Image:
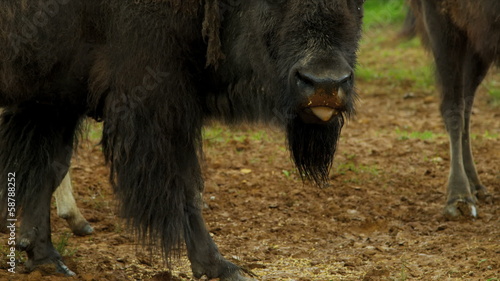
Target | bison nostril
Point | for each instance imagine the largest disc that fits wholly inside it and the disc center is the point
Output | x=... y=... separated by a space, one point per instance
x=304 y=80
x=346 y=78
x=325 y=81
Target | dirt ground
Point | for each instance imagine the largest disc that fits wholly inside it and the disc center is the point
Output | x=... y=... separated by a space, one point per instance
x=380 y=218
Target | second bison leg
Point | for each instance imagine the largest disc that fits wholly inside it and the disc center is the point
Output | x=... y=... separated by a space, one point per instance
x=449 y=47
x=475 y=69
x=68 y=210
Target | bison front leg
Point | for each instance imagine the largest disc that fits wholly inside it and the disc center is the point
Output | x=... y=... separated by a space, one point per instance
x=35 y=236
x=67 y=209
x=36 y=145
x=202 y=252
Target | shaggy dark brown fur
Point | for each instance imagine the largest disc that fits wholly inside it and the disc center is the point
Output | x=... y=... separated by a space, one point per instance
x=154 y=71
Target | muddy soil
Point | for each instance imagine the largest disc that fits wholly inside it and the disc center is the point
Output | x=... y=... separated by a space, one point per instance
x=379 y=219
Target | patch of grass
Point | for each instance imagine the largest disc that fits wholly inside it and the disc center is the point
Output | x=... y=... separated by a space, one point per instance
x=426 y=135
x=99 y=202
x=5 y=250
x=419 y=76
x=214 y=134
x=383 y=12
x=290 y=173
x=387 y=61
x=481 y=261
x=92 y=130
x=486 y=135
x=400 y=64
x=350 y=156
x=259 y=136
x=411 y=44
x=493 y=88
x=350 y=166
x=492 y=136
x=118 y=227
x=61 y=245
x=403 y=274
x=3 y=253
x=221 y=134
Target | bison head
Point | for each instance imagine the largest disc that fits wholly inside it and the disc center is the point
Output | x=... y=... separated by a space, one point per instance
x=290 y=61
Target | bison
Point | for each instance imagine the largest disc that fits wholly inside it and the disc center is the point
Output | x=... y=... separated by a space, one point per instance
x=464 y=37
x=154 y=72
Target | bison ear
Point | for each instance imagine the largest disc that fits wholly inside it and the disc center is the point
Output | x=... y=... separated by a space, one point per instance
x=211 y=32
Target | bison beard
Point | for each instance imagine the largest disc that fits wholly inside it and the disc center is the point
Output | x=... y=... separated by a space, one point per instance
x=154 y=72
x=313 y=147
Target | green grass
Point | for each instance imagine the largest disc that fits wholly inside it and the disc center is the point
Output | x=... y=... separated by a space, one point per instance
x=380 y=13
x=403 y=135
x=61 y=245
x=220 y=134
x=384 y=58
x=426 y=135
x=286 y=173
x=5 y=250
x=493 y=88
x=486 y=135
x=350 y=166
x=214 y=134
x=92 y=130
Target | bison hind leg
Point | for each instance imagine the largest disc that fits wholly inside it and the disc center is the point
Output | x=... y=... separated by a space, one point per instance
x=67 y=209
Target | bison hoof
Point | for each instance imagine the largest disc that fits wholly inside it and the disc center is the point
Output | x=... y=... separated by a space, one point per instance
x=483 y=195
x=225 y=271
x=237 y=276
x=49 y=266
x=460 y=208
x=82 y=230
x=62 y=268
